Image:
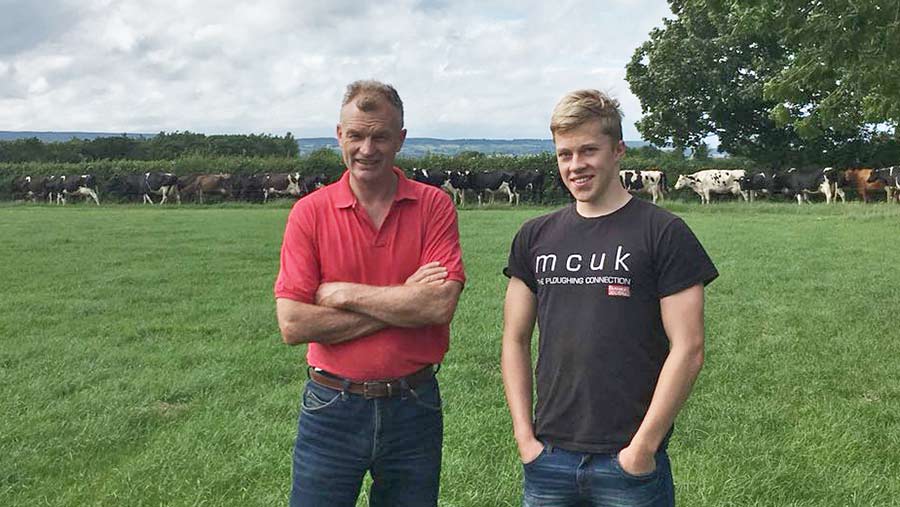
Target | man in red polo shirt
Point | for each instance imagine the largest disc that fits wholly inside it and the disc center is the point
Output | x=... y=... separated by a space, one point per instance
x=371 y=271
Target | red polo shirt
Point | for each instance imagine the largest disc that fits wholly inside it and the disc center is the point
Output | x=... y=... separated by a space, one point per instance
x=330 y=238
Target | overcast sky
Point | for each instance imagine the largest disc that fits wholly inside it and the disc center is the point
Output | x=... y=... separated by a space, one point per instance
x=465 y=69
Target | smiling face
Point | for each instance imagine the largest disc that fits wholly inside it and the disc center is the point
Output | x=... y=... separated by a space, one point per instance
x=370 y=135
x=588 y=163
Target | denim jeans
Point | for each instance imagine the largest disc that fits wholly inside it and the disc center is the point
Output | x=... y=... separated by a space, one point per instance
x=341 y=436
x=558 y=478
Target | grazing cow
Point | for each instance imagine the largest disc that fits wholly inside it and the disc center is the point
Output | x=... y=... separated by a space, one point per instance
x=800 y=184
x=858 y=178
x=652 y=182
x=890 y=178
x=490 y=182
x=29 y=187
x=200 y=184
x=713 y=181
x=280 y=184
x=84 y=185
x=529 y=182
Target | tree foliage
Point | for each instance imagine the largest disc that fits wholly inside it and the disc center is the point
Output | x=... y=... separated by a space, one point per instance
x=781 y=82
x=163 y=146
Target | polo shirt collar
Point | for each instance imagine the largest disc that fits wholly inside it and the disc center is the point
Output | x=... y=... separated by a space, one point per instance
x=344 y=197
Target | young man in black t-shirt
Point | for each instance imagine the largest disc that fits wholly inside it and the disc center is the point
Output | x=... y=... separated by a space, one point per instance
x=616 y=287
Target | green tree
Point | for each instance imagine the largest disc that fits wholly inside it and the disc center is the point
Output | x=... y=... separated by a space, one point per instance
x=781 y=82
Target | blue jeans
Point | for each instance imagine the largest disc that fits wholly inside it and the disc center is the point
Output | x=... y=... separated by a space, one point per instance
x=558 y=478
x=341 y=436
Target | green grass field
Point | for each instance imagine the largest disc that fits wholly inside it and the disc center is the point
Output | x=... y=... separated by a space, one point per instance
x=141 y=363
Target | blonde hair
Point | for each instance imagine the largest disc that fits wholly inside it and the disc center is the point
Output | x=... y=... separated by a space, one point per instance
x=581 y=106
x=371 y=91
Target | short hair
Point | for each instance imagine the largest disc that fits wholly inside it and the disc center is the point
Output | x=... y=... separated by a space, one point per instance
x=371 y=90
x=581 y=106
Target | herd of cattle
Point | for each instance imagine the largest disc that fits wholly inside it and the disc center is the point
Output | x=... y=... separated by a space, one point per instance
x=144 y=187
x=515 y=185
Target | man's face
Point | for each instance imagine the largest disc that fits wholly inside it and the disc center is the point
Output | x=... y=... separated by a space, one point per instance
x=588 y=161
x=370 y=140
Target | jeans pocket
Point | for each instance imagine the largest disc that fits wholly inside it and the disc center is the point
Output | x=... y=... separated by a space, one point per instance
x=427 y=395
x=639 y=477
x=316 y=397
x=537 y=458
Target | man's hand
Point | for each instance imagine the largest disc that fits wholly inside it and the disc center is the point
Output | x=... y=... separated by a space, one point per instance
x=331 y=294
x=530 y=449
x=637 y=461
x=429 y=274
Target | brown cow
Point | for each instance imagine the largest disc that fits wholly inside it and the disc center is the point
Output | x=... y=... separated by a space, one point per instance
x=858 y=179
x=206 y=184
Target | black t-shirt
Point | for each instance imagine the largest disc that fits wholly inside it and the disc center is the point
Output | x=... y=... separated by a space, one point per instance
x=602 y=343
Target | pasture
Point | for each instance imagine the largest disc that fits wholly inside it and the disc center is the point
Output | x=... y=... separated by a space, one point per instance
x=141 y=363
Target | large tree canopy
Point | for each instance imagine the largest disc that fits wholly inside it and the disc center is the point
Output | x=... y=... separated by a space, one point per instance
x=780 y=81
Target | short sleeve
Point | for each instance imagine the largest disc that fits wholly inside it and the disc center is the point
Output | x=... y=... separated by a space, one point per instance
x=681 y=260
x=299 y=274
x=442 y=238
x=519 y=265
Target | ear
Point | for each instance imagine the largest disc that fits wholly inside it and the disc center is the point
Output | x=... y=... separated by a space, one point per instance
x=401 y=140
x=620 y=150
x=338 y=133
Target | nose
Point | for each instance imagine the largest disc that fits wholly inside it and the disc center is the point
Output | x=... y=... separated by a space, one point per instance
x=367 y=147
x=577 y=162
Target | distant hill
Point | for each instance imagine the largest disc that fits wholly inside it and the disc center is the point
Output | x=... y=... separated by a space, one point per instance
x=413 y=147
x=420 y=146
x=61 y=137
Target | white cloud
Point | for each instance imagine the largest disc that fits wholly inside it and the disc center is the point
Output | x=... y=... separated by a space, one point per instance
x=464 y=69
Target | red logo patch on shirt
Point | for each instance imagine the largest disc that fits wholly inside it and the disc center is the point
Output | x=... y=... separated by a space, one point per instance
x=618 y=290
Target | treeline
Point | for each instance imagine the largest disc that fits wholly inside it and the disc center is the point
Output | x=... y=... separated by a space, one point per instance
x=163 y=146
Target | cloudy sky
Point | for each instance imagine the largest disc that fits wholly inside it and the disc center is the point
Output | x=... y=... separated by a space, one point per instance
x=465 y=69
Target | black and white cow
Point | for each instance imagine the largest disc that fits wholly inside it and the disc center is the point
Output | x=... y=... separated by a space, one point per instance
x=631 y=181
x=280 y=184
x=83 y=185
x=713 y=181
x=162 y=184
x=309 y=184
x=29 y=187
x=652 y=182
x=457 y=183
x=890 y=177
x=144 y=184
x=797 y=184
x=490 y=182
x=755 y=183
x=433 y=178
x=530 y=183
x=54 y=187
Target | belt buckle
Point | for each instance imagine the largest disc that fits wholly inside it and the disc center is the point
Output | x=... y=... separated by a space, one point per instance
x=372 y=384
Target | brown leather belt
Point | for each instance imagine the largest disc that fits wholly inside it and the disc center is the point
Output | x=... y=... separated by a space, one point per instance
x=373 y=388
